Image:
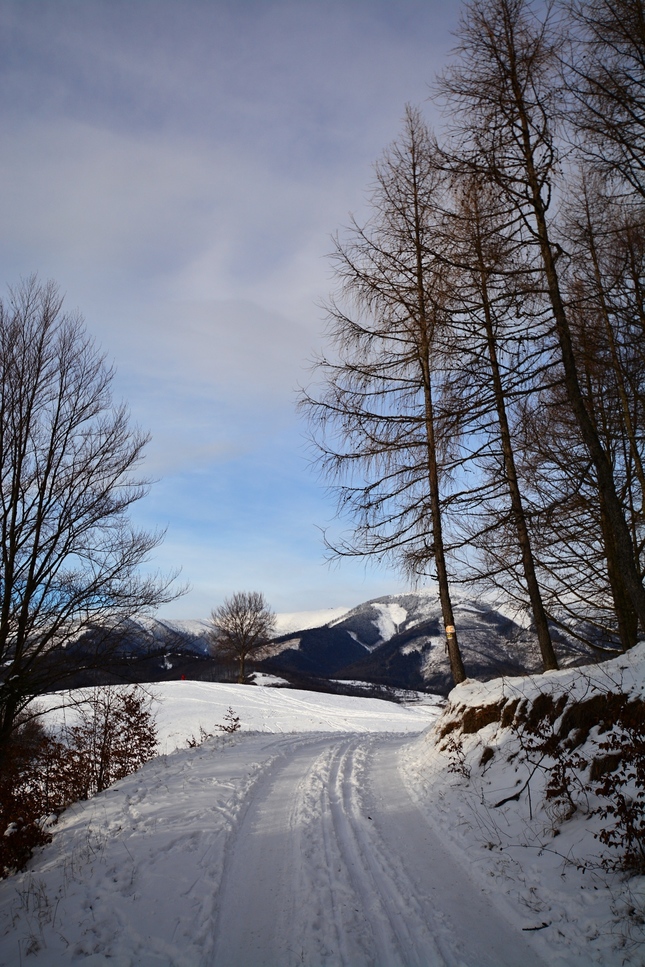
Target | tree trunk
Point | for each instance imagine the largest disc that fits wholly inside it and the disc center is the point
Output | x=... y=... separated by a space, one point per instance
x=426 y=328
x=549 y=659
x=617 y=528
x=452 y=643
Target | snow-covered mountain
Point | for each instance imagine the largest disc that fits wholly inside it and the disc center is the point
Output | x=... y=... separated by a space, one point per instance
x=398 y=640
x=394 y=641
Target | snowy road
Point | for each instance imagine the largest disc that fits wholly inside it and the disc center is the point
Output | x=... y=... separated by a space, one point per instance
x=331 y=863
x=329 y=832
x=258 y=850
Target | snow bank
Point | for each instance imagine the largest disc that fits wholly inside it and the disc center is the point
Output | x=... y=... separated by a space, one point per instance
x=478 y=781
x=625 y=673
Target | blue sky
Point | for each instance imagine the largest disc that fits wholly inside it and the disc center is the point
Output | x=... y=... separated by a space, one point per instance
x=178 y=167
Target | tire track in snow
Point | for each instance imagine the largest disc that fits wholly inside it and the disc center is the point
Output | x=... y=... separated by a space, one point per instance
x=214 y=868
x=467 y=929
x=280 y=901
x=332 y=865
x=335 y=930
x=399 y=924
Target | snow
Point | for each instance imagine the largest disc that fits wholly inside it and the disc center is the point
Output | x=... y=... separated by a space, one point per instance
x=391 y=616
x=625 y=673
x=263 y=678
x=329 y=831
x=288 y=621
x=546 y=868
x=182 y=708
x=198 y=627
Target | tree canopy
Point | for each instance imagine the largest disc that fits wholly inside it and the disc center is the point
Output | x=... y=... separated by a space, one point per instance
x=70 y=558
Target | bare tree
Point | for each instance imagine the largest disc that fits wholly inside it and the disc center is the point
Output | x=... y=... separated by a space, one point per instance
x=502 y=369
x=69 y=556
x=576 y=551
x=242 y=627
x=505 y=91
x=606 y=76
x=384 y=424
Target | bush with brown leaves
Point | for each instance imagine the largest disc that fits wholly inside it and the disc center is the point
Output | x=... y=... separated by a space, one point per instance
x=113 y=735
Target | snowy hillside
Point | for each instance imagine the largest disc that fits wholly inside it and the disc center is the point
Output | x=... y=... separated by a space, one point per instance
x=289 y=622
x=361 y=844
x=183 y=708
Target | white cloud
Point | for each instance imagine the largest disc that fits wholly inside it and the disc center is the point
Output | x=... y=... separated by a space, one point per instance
x=106 y=201
x=239 y=349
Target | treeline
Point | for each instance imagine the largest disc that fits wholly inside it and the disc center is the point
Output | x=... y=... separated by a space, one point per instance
x=481 y=407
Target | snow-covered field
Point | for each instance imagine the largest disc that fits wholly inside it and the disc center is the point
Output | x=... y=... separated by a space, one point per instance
x=329 y=831
x=183 y=708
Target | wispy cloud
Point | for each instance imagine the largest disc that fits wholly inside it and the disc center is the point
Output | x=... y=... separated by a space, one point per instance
x=179 y=167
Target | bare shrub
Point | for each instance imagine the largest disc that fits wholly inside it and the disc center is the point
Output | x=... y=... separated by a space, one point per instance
x=116 y=735
x=194 y=743
x=27 y=795
x=231 y=723
x=42 y=774
x=621 y=783
x=615 y=778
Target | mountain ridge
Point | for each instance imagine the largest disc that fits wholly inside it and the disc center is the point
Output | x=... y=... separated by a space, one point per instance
x=391 y=642
x=403 y=643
